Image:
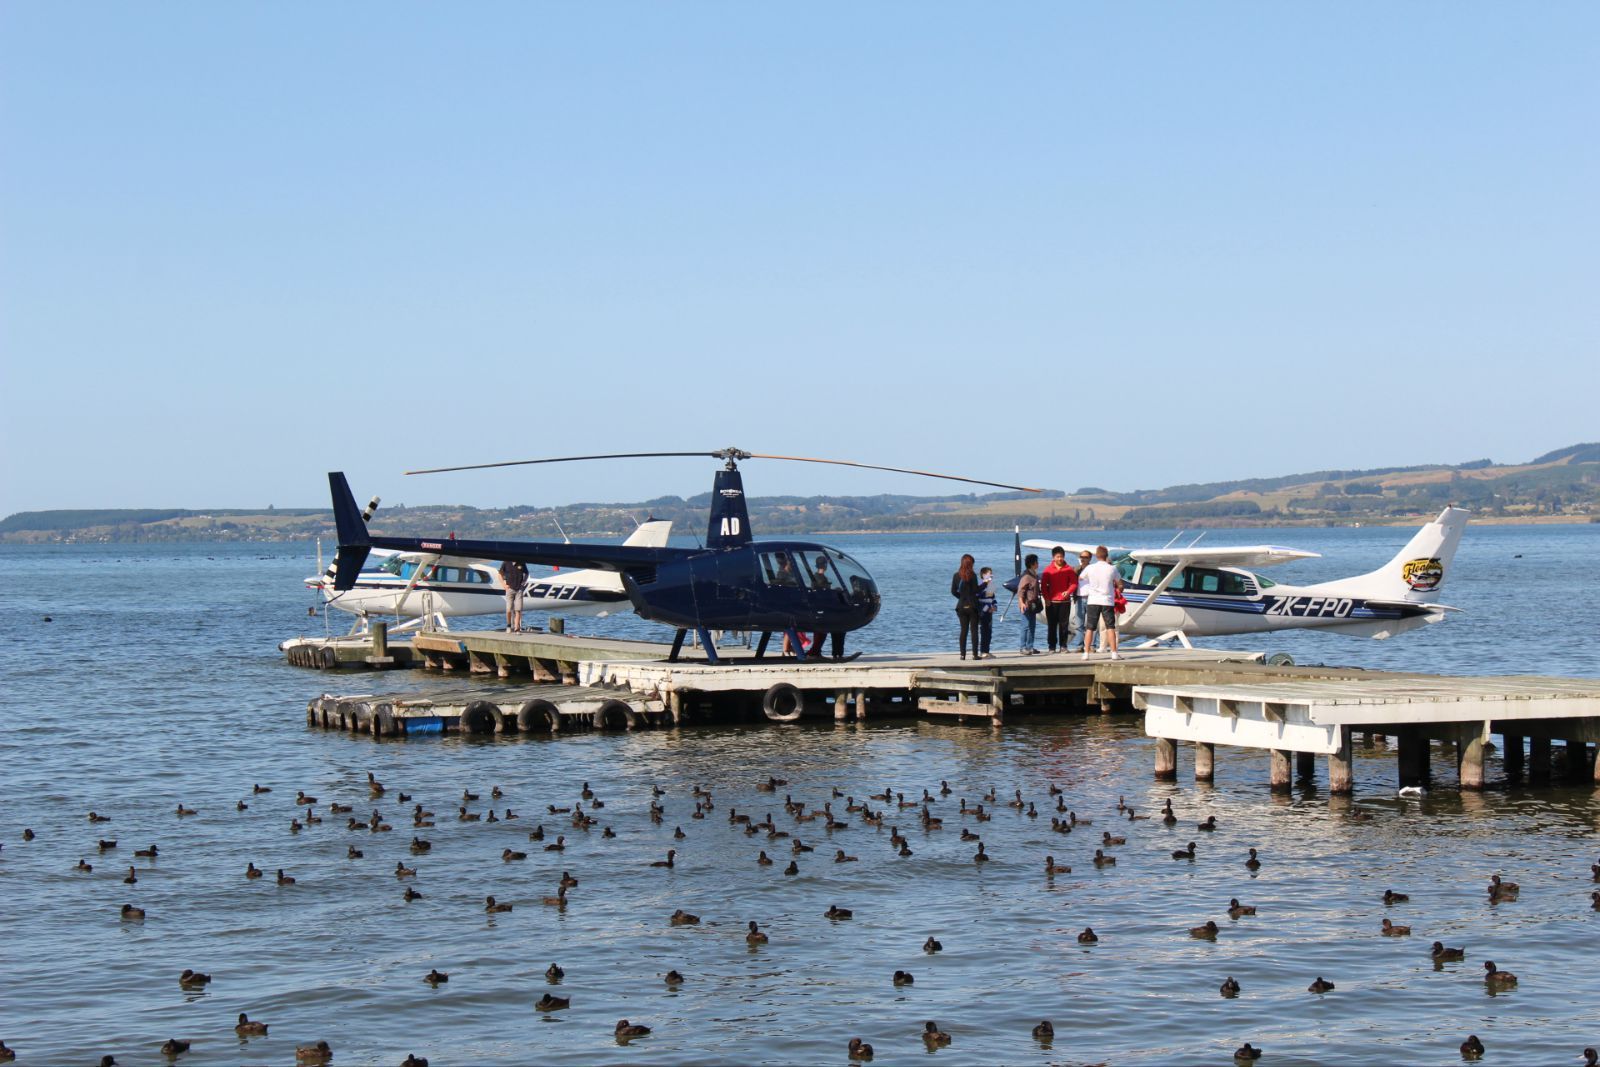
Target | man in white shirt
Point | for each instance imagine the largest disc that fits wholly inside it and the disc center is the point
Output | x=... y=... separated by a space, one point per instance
x=1101 y=583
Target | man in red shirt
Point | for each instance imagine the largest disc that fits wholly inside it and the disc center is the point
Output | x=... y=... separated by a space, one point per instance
x=1057 y=584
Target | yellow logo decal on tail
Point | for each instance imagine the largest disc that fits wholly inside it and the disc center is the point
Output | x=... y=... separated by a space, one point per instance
x=1423 y=575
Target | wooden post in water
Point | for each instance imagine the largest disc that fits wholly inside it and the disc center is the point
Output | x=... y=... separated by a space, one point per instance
x=380 y=639
x=1278 y=777
x=1513 y=755
x=841 y=705
x=1205 y=761
x=1305 y=765
x=1469 y=756
x=1578 y=760
x=1166 y=759
x=1411 y=751
x=1341 y=777
x=1539 y=760
x=558 y=625
x=861 y=705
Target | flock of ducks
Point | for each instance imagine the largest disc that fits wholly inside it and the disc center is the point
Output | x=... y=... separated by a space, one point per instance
x=885 y=808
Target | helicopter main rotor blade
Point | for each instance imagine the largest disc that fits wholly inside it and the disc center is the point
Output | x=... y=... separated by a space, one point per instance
x=898 y=470
x=563 y=459
x=731 y=455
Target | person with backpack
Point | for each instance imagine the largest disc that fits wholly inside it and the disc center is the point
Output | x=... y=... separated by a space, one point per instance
x=964 y=586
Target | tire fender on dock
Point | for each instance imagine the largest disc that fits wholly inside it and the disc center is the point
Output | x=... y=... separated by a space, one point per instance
x=609 y=714
x=481 y=717
x=384 y=723
x=535 y=715
x=346 y=716
x=783 y=703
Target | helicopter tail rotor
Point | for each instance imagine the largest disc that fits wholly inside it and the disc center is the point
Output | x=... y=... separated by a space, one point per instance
x=354 y=542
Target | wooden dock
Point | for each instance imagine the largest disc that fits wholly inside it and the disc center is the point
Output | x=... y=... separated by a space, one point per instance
x=554 y=683
x=1308 y=717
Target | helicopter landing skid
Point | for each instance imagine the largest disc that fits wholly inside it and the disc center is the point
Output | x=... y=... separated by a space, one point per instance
x=705 y=642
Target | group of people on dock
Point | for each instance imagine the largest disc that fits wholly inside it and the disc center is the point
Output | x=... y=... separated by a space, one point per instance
x=1082 y=599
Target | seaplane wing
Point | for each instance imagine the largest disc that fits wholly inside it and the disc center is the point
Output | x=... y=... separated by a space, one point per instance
x=1040 y=544
x=1223 y=555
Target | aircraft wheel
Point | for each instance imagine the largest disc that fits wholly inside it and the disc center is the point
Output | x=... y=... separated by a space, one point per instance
x=783 y=703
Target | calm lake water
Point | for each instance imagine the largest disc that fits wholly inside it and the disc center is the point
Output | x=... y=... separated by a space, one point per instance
x=158 y=682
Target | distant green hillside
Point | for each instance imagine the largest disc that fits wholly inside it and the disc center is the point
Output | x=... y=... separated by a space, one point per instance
x=1563 y=485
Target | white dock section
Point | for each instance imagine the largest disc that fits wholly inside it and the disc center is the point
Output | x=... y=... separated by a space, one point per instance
x=1316 y=716
x=1304 y=716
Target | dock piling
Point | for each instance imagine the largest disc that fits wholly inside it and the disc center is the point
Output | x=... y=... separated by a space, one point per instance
x=1205 y=761
x=1513 y=755
x=1539 y=760
x=1166 y=759
x=1279 y=776
x=1469 y=756
x=1305 y=766
x=1341 y=777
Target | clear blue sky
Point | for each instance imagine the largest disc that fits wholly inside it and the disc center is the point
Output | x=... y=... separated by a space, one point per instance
x=1062 y=244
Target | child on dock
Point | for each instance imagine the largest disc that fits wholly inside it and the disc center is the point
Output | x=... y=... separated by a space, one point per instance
x=988 y=600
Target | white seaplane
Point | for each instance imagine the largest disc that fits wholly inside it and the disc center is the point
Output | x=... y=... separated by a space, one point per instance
x=428 y=588
x=1175 y=594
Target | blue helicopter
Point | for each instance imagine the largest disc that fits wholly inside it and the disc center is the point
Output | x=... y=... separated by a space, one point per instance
x=733 y=583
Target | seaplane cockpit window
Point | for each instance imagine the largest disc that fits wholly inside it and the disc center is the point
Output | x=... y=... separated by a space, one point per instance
x=391 y=565
x=1235 y=585
x=1265 y=582
x=1224 y=583
x=1125 y=567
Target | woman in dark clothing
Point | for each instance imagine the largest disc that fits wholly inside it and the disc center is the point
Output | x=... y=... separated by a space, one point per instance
x=964 y=587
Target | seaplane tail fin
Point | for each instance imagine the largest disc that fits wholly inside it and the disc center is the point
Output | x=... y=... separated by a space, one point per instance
x=1417 y=573
x=354 y=542
x=652 y=533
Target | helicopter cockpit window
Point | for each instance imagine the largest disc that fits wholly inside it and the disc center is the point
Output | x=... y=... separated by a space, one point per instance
x=822 y=574
x=854 y=575
x=778 y=569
